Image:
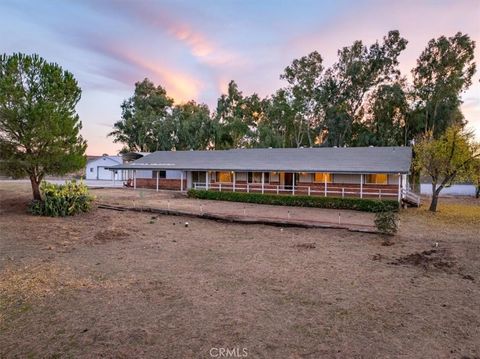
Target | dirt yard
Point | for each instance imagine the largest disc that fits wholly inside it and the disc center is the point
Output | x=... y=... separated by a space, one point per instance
x=126 y=284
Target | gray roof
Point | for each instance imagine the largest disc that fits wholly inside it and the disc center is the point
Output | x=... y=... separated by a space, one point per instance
x=323 y=159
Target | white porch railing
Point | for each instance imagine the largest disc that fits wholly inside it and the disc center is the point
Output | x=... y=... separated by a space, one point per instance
x=411 y=197
x=336 y=191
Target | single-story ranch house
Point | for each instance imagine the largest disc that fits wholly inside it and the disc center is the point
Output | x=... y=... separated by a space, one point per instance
x=363 y=172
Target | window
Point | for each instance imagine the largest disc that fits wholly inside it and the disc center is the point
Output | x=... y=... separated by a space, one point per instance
x=161 y=174
x=256 y=177
x=322 y=177
x=91 y=169
x=377 y=178
x=199 y=177
x=224 y=177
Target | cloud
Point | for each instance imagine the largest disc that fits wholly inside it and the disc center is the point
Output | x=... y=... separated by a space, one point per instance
x=134 y=67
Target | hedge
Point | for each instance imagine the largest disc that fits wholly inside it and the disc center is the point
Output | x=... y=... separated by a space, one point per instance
x=357 y=204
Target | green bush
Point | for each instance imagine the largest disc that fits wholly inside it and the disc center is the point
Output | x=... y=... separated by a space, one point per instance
x=386 y=221
x=366 y=205
x=62 y=200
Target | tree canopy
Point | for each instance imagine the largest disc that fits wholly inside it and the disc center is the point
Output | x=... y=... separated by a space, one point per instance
x=444 y=70
x=39 y=127
x=362 y=99
x=453 y=155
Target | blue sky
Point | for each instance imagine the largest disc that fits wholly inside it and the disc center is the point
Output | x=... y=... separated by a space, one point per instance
x=194 y=48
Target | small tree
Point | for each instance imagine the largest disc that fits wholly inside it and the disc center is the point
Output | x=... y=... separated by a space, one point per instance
x=475 y=177
x=39 y=128
x=446 y=159
x=386 y=222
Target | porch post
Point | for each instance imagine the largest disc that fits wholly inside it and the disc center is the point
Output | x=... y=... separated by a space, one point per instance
x=293 y=184
x=234 y=179
x=206 y=180
x=181 y=181
x=263 y=182
x=361 y=186
x=157 y=179
x=325 y=186
x=399 y=188
x=134 y=179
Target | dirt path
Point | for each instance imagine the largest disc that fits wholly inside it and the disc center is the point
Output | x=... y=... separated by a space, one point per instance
x=168 y=200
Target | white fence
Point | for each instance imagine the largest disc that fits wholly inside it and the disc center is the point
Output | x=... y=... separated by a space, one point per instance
x=296 y=190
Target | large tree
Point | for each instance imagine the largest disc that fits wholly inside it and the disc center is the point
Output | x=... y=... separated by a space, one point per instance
x=192 y=126
x=145 y=125
x=451 y=157
x=444 y=70
x=304 y=78
x=358 y=71
x=385 y=122
x=236 y=119
x=39 y=127
x=277 y=127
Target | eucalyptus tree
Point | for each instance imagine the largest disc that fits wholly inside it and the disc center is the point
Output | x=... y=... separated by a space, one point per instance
x=277 y=128
x=145 y=124
x=236 y=119
x=192 y=125
x=358 y=71
x=386 y=118
x=39 y=126
x=304 y=78
x=444 y=70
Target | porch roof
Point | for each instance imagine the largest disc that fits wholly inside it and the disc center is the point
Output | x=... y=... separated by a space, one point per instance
x=322 y=159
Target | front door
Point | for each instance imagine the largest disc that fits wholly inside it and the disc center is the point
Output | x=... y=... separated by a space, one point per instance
x=288 y=180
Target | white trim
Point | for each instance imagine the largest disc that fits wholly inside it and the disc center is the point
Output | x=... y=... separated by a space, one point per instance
x=361 y=186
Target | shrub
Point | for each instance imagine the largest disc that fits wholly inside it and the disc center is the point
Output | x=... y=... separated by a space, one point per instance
x=386 y=222
x=366 y=205
x=62 y=200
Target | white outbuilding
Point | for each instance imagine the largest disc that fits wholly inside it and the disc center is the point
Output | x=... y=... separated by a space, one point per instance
x=96 y=168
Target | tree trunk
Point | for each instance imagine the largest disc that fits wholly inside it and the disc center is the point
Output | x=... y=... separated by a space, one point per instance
x=433 y=204
x=477 y=193
x=35 y=188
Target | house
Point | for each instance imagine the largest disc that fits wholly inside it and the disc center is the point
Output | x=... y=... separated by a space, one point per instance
x=363 y=172
x=96 y=167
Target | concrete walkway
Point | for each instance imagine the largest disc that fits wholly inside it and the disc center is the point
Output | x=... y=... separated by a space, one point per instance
x=178 y=203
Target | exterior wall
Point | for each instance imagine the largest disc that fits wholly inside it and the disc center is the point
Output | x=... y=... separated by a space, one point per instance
x=96 y=169
x=455 y=190
x=274 y=177
x=393 y=179
x=144 y=174
x=189 y=180
x=241 y=176
x=346 y=178
x=305 y=178
x=163 y=183
x=173 y=174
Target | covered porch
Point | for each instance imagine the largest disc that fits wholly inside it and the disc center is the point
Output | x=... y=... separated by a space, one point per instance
x=343 y=185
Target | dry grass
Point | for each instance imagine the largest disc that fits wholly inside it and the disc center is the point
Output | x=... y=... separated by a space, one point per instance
x=455 y=213
x=122 y=284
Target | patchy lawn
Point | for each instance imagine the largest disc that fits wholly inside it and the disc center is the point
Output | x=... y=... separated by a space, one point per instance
x=125 y=284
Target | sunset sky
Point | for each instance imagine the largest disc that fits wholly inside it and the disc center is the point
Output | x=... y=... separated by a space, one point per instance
x=194 y=48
